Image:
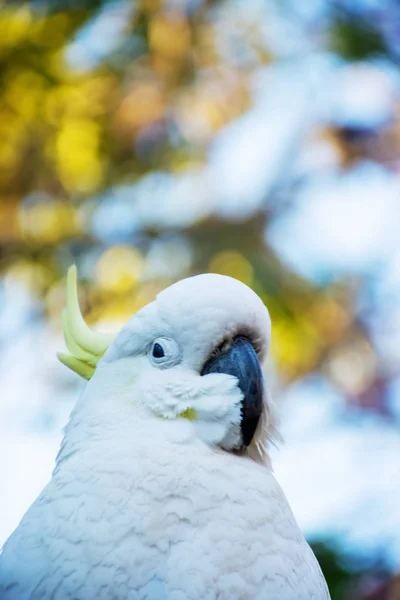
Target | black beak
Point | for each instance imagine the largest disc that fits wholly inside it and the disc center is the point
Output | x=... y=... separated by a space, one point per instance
x=241 y=361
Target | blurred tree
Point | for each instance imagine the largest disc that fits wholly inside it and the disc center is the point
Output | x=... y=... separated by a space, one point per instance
x=355 y=37
x=104 y=106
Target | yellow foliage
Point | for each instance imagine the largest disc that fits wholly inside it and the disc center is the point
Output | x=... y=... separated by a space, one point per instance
x=24 y=91
x=233 y=264
x=77 y=99
x=294 y=346
x=115 y=311
x=55 y=301
x=34 y=275
x=66 y=100
x=48 y=222
x=14 y=26
x=50 y=31
x=119 y=268
x=169 y=35
x=206 y=107
x=78 y=158
x=142 y=106
x=8 y=153
x=205 y=53
x=329 y=318
x=9 y=230
x=151 y=5
x=117 y=308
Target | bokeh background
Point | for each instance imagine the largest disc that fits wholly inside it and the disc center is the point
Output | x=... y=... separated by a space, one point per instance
x=153 y=139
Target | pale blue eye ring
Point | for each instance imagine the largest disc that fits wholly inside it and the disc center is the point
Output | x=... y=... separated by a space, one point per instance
x=164 y=353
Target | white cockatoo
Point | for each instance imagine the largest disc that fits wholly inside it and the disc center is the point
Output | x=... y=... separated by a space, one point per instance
x=163 y=488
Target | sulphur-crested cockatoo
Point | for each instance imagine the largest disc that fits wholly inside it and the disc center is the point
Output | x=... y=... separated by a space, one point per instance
x=163 y=488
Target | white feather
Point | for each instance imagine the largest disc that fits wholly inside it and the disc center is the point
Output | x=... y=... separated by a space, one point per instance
x=146 y=505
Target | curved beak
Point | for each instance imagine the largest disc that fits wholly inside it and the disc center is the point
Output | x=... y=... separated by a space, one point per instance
x=241 y=361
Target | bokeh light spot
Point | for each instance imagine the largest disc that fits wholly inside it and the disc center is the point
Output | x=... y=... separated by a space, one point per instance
x=233 y=264
x=119 y=269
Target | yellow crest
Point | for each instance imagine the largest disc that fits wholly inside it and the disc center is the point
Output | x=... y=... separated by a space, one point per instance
x=86 y=347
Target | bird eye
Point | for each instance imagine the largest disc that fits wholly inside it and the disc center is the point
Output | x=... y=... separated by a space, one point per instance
x=158 y=351
x=164 y=353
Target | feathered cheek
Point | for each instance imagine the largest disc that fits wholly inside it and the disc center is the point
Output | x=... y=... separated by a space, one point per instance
x=170 y=400
x=212 y=402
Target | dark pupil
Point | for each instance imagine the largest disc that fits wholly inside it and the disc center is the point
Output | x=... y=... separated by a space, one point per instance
x=158 y=351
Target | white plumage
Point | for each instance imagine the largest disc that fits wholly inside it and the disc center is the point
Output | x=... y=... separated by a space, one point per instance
x=145 y=504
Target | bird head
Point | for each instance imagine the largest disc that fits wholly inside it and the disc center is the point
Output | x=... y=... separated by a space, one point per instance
x=193 y=355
